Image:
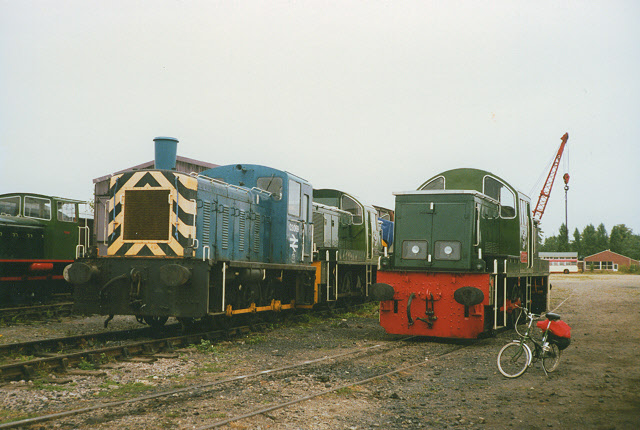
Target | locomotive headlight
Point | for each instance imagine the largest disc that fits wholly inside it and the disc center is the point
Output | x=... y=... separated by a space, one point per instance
x=414 y=250
x=447 y=250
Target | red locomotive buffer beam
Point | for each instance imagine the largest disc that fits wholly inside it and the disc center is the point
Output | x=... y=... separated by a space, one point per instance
x=546 y=190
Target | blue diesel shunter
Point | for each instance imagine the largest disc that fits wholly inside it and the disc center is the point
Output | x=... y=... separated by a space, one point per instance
x=193 y=246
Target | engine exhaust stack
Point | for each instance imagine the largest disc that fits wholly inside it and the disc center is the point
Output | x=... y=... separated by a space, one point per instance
x=166 y=150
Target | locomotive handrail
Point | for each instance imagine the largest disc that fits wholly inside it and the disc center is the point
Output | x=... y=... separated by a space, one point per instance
x=78 y=248
x=206 y=252
x=477 y=226
x=219 y=181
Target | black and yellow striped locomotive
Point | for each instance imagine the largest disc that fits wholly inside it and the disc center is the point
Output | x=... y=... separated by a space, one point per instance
x=231 y=240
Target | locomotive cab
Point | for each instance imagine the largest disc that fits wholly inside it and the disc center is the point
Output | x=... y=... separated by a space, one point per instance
x=291 y=201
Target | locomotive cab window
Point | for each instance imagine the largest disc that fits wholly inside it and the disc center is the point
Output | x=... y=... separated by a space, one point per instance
x=271 y=184
x=36 y=207
x=434 y=184
x=350 y=205
x=294 y=198
x=10 y=206
x=66 y=212
x=500 y=192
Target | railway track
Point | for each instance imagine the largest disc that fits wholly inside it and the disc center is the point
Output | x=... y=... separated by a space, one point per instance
x=278 y=378
x=48 y=360
x=36 y=313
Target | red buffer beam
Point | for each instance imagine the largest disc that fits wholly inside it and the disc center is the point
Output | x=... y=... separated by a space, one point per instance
x=546 y=190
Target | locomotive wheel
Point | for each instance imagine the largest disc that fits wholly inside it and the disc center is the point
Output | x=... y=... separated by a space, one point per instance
x=187 y=323
x=156 y=322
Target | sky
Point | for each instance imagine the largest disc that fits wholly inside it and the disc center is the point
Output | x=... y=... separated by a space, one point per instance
x=370 y=97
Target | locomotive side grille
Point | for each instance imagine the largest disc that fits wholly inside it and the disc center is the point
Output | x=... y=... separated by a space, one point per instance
x=206 y=222
x=225 y=228
x=256 y=234
x=491 y=248
x=242 y=232
x=318 y=228
x=146 y=215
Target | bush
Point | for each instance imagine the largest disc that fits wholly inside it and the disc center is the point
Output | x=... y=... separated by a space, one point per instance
x=632 y=269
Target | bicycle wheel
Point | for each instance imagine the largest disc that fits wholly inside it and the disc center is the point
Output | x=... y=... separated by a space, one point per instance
x=551 y=358
x=513 y=359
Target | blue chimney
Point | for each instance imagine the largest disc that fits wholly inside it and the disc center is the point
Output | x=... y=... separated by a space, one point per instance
x=166 y=149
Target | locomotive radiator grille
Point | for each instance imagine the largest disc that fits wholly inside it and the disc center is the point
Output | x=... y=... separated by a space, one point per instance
x=147 y=215
x=152 y=213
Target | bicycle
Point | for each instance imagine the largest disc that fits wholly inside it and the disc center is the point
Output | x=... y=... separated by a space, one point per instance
x=516 y=357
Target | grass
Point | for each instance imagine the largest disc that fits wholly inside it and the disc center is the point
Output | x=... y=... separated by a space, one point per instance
x=39 y=384
x=126 y=390
x=7 y=416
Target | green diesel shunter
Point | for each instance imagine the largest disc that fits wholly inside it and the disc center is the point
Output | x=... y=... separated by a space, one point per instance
x=465 y=258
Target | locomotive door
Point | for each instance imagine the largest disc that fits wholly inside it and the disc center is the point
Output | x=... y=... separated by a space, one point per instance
x=413 y=234
x=298 y=227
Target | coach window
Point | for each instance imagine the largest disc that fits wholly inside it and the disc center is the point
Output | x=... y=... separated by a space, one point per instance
x=10 y=206
x=350 y=205
x=66 y=212
x=294 y=198
x=434 y=184
x=271 y=184
x=36 y=207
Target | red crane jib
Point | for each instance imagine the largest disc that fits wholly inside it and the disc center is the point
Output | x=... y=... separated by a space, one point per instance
x=546 y=190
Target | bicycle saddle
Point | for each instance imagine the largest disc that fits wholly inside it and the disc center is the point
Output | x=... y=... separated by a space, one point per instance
x=552 y=316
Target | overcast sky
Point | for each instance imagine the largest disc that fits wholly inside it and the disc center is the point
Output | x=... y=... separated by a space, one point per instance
x=369 y=97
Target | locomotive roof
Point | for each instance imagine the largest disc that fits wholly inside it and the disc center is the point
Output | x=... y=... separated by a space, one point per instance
x=331 y=192
x=44 y=196
x=259 y=169
x=468 y=178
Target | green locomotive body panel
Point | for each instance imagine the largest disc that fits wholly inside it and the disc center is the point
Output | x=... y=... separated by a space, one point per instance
x=360 y=238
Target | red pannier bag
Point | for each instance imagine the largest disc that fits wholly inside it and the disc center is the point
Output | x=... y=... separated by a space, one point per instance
x=558 y=328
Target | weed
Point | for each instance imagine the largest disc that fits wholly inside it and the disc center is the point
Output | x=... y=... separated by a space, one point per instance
x=254 y=340
x=211 y=368
x=86 y=365
x=216 y=415
x=344 y=391
x=206 y=347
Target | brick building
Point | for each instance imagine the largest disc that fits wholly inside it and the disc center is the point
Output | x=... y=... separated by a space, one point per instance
x=608 y=260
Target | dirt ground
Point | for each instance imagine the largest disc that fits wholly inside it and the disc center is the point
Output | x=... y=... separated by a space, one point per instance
x=595 y=385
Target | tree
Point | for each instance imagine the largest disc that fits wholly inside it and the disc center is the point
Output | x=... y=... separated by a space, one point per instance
x=576 y=246
x=563 y=238
x=588 y=241
x=550 y=244
x=602 y=238
x=631 y=246
x=619 y=233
